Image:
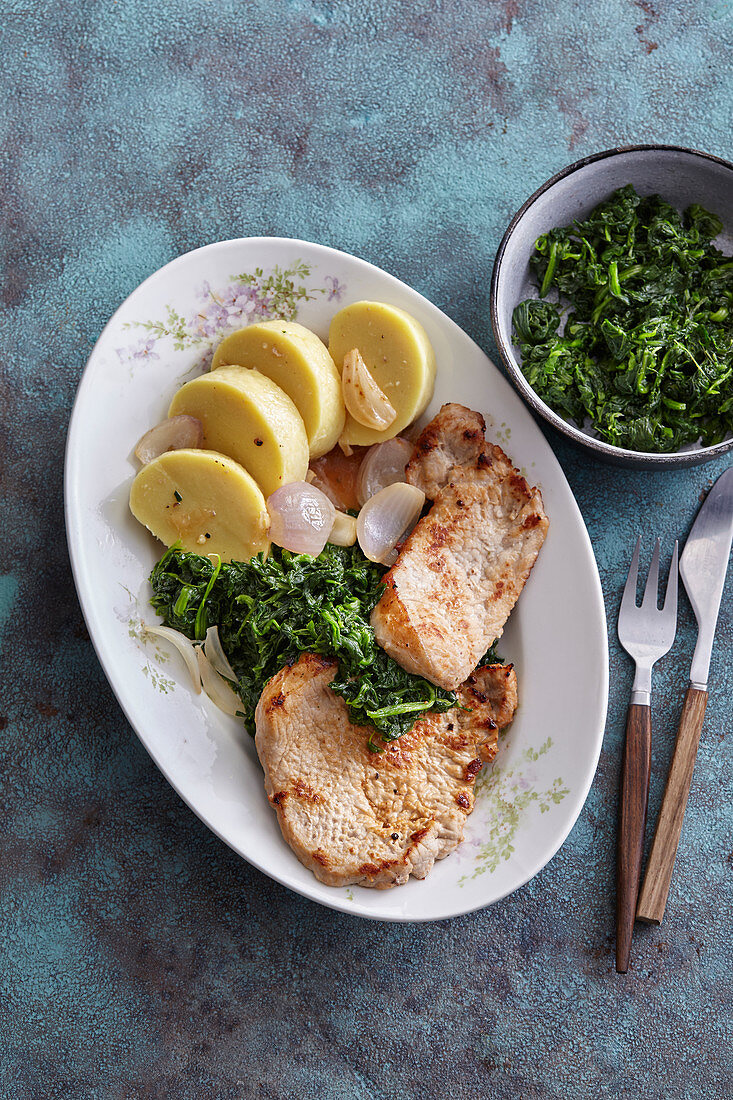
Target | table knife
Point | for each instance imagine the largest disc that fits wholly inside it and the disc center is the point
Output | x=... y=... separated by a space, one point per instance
x=703 y=567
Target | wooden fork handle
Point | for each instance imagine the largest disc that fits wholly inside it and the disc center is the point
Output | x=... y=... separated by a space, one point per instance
x=632 y=823
x=653 y=897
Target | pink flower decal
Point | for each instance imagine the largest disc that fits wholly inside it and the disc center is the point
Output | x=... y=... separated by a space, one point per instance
x=251 y=296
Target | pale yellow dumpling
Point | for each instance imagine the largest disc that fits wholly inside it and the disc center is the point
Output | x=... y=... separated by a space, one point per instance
x=398 y=354
x=203 y=500
x=298 y=361
x=246 y=416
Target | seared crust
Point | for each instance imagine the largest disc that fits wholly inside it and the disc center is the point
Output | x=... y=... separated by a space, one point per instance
x=465 y=564
x=357 y=817
x=493 y=688
x=453 y=439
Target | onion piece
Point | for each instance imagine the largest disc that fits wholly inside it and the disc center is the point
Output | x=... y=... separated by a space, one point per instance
x=343 y=532
x=364 y=398
x=184 y=646
x=383 y=465
x=301 y=518
x=216 y=656
x=170 y=435
x=386 y=519
x=218 y=690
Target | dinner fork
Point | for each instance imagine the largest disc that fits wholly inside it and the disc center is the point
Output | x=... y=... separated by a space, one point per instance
x=646 y=634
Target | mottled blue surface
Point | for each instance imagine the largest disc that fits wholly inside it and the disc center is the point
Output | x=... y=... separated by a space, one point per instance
x=138 y=956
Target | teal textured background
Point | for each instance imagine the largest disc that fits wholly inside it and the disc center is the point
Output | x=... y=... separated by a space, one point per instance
x=138 y=956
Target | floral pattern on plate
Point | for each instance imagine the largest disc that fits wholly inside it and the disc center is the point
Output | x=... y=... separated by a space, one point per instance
x=504 y=798
x=248 y=297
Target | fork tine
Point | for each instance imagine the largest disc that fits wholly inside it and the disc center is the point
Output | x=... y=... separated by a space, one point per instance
x=629 y=597
x=670 y=599
x=652 y=582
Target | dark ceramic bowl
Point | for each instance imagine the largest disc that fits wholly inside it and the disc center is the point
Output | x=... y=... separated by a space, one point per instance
x=682 y=177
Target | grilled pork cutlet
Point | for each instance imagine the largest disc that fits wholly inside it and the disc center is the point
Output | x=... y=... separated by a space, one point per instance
x=462 y=569
x=356 y=816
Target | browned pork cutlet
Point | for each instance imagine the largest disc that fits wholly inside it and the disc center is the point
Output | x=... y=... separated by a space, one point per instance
x=356 y=816
x=462 y=569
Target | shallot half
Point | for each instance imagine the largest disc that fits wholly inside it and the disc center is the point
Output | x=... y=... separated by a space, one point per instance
x=301 y=518
x=364 y=398
x=386 y=519
x=173 y=434
x=383 y=465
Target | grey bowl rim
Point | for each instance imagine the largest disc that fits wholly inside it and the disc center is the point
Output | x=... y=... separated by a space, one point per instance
x=608 y=451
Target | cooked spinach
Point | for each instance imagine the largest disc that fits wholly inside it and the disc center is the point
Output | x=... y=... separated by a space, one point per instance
x=270 y=610
x=646 y=352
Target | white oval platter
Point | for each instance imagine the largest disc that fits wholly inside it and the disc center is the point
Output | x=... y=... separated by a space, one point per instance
x=164 y=334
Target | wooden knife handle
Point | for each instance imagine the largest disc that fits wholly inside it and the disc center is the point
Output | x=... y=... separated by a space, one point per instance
x=632 y=823
x=653 y=897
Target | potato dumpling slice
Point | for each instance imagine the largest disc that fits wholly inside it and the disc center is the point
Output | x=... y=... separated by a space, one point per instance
x=293 y=357
x=397 y=352
x=203 y=500
x=249 y=418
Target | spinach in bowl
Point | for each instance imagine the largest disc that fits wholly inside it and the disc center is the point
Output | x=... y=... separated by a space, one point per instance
x=646 y=352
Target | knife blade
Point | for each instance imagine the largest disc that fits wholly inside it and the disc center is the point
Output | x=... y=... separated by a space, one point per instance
x=703 y=567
